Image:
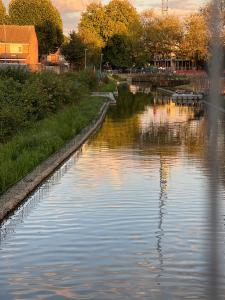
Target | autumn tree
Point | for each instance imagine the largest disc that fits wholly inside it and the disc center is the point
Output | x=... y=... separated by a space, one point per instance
x=122 y=18
x=2 y=12
x=100 y=23
x=195 y=40
x=162 y=35
x=105 y=21
x=92 y=24
x=44 y=16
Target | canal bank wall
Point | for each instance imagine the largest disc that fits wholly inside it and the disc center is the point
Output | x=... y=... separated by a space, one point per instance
x=18 y=193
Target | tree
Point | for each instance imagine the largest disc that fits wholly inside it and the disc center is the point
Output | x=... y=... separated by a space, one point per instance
x=93 y=44
x=195 y=41
x=74 y=50
x=101 y=23
x=122 y=17
x=2 y=12
x=50 y=37
x=105 y=21
x=118 y=52
x=44 y=16
x=162 y=35
x=92 y=24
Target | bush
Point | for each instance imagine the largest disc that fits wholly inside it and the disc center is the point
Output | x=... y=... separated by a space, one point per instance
x=31 y=146
x=19 y=74
x=27 y=97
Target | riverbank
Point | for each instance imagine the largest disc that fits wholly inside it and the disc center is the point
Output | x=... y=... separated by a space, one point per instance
x=26 y=98
x=43 y=146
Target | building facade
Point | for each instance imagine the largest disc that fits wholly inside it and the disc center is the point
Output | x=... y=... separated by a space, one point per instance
x=19 y=45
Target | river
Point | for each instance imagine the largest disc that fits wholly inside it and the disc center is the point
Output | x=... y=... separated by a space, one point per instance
x=126 y=217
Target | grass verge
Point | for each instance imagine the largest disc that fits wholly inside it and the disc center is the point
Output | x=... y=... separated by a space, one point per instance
x=30 y=147
x=108 y=87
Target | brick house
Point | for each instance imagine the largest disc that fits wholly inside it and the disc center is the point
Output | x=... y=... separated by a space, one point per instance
x=19 y=45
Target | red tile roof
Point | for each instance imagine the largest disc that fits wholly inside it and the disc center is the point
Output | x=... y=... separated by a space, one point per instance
x=16 y=33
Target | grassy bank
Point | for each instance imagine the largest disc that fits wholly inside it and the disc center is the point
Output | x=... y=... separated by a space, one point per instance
x=30 y=146
x=27 y=97
x=107 y=85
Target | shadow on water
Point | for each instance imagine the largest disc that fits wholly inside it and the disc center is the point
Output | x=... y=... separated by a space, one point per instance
x=129 y=104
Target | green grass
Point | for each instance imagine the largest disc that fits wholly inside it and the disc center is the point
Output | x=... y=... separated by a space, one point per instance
x=108 y=87
x=24 y=151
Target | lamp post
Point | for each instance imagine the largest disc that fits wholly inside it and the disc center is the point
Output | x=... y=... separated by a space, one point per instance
x=85 y=58
x=101 y=64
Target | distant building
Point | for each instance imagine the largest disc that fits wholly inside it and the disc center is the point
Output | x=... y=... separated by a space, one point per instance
x=19 y=45
x=56 y=58
x=56 y=62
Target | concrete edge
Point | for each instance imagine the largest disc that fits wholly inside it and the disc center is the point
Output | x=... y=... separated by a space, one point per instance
x=15 y=195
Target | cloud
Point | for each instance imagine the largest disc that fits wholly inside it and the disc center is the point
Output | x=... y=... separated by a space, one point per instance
x=71 y=5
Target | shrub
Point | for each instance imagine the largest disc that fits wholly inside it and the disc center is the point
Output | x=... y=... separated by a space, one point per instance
x=28 y=97
x=20 y=74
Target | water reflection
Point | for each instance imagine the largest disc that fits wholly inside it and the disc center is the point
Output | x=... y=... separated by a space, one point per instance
x=164 y=176
x=9 y=225
x=124 y=219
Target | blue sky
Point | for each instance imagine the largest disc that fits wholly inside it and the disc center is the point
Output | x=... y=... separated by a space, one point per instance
x=70 y=9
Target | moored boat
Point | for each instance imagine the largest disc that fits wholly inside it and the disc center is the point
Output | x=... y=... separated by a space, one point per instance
x=186 y=95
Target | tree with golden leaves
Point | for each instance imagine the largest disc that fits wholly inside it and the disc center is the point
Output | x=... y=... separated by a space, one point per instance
x=196 y=38
x=44 y=16
x=2 y=13
x=162 y=35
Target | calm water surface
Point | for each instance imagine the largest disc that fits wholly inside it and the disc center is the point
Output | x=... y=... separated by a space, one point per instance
x=125 y=218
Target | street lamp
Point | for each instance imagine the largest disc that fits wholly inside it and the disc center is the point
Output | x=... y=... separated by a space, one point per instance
x=85 y=58
x=101 y=63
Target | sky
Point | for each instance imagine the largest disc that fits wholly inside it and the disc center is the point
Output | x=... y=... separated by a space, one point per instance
x=71 y=9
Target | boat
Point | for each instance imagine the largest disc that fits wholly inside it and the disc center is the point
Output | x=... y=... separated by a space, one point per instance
x=186 y=95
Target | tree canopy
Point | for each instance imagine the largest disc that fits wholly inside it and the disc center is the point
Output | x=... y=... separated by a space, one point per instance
x=92 y=24
x=127 y=38
x=2 y=12
x=162 y=35
x=44 y=16
x=195 y=39
x=73 y=50
x=118 y=51
x=108 y=20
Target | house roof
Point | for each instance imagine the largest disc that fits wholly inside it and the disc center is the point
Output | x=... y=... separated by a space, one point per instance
x=16 y=33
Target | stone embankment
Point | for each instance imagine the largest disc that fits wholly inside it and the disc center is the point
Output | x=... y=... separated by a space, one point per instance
x=110 y=95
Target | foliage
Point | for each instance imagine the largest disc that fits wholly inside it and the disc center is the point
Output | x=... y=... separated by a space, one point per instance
x=50 y=37
x=31 y=146
x=99 y=23
x=74 y=51
x=24 y=100
x=121 y=17
x=108 y=85
x=94 y=46
x=44 y=16
x=2 y=12
x=118 y=51
x=18 y=74
x=162 y=35
x=195 y=40
x=93 y=21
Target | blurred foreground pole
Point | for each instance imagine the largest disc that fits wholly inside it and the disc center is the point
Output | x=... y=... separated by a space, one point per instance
x=215 y=62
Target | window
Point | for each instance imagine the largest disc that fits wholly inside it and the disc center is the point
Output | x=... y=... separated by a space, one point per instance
x=16 y=48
